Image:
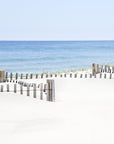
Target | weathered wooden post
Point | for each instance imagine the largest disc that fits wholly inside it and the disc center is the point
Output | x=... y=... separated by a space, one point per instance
x=7 y=87
x=75 y=75
x=112 y=69
x=2 y=76
x=105 y=76
x=41 y=91
x=36 y=76
x=2 y=88
x=65 y=75
x=41 y=75
x=55 y=75
x=70 y=75
x=34 y=90
x=16 y=76
x=10 y=77
x=105 y=68
x=50 y=90
x=81 y=75
x=100 y=75
x=15 y=88
x=85 y=75
x=95 y=69
x=28 y=90
x=21 y=89
x=6 y=76
x=26 y=76
x=90 y=75
x=21 y=76
x=31 y=75
x=110 y=76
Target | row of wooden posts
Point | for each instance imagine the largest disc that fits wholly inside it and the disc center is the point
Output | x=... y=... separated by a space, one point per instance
x=71 y=76
x=48 y=88
x=101 y=69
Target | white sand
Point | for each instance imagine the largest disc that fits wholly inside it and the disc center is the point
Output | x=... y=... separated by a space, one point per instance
x=82 y=114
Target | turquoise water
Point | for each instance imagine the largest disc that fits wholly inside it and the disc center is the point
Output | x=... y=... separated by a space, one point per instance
x=52 y=56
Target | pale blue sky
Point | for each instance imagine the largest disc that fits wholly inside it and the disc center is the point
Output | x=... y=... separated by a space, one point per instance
x=56 y=19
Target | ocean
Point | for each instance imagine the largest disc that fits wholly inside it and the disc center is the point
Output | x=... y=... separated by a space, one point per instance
x=53 y=56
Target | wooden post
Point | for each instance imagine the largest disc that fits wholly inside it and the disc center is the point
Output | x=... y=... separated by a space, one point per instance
x=46 y=75
x=65 y=75
x=2 y=76
x=110 y=76
x=50 y=90
x=81 y=75
x=28 y=90
x=26 y=76
x=45 y=87
x=31 y=76
x=112 y=69
x=85 y=75
x=90 y=75
x=21 y=76
x=95 y=69
x=16 y=76
x=41 y=75
x=70 y=75
x=36 y=76
x=105 y=68
x=105 y=76
x=7 y=87
x=6 y=76
x=61 y=75
x=55 y=75
x=41 y=91
x=2 y=88
x=75 y=75
x=100 y=75
x=34 y=90
x=10 y=77
x=15 y=88
x=21 y=89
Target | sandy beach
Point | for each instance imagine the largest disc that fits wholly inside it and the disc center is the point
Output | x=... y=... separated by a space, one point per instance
x=82 y=113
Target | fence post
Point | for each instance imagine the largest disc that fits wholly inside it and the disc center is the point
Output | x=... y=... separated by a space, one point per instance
x=21 y=89
x=75 y=75
x=7 y=87
x=105 y=76
x=80 y=75
x=85 y=75
x=2 y=76
x=36 y=76
x=31 y=76
x=6 y=76
x=41 y=91
x=10 y=77
x=26 y=76
x=65 y=75
x=34 y=90
x=95 y=69
x=28 y=90
x=55 y=75
x=100 y=75
x=50 y=90
x=110 y=76
x=15 y=88
x=2 y=88
x=16 y=76
x=70 y=75
x=21 y=76
x=41 y=75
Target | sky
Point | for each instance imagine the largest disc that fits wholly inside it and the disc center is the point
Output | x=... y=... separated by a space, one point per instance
x=56 y=19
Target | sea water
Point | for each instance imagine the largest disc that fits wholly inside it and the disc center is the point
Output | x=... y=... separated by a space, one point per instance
x=53 y=56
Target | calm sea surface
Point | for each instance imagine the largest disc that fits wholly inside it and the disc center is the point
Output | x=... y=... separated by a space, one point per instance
x=52 y=56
